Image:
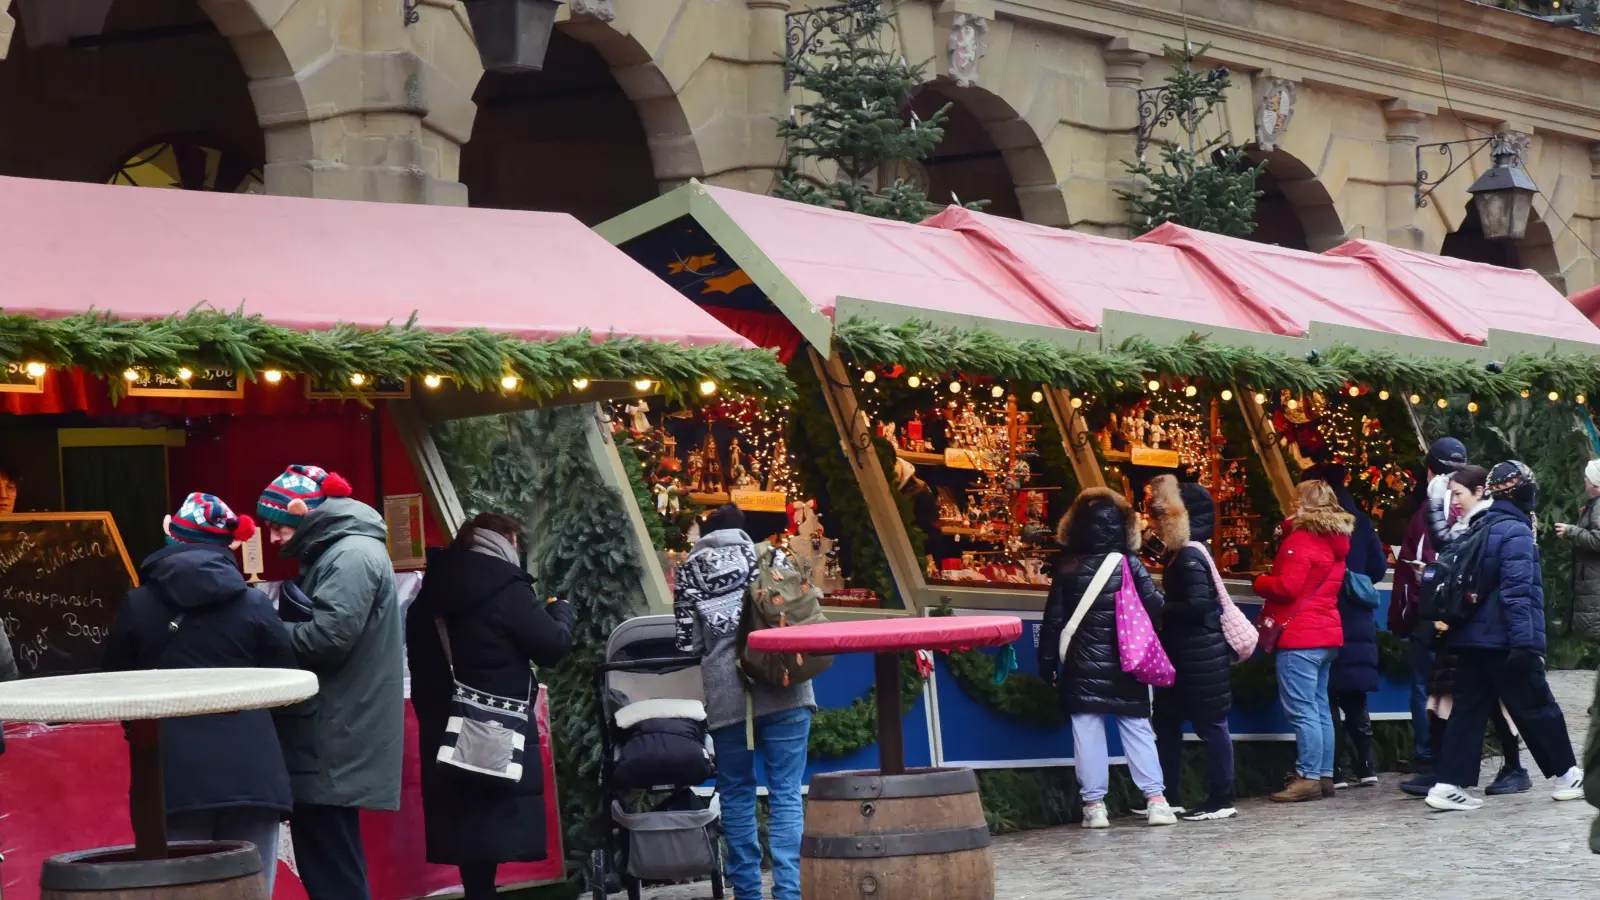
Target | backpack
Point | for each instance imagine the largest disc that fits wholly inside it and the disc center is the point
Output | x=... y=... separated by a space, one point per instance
x=777 y=598
x=1449 y=585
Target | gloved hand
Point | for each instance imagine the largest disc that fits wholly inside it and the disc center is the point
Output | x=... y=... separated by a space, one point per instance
x=1522 y=661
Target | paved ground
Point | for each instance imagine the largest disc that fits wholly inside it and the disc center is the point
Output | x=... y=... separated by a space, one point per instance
x=1371 y=842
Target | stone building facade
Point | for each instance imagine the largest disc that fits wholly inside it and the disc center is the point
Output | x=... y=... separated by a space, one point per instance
x=354 y=99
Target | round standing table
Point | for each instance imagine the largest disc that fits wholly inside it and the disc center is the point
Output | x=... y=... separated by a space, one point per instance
x=141 y=699
x=887 y=638
x=893 y=833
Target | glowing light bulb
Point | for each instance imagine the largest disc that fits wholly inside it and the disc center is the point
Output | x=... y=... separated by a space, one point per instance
x=1415 y=399
x=1077 y=402
x=1383 y=395
x=1472 y=406
x=1153 y=385
x=273 y=376
x=997 y=392
x=1226 y=395
x=1581 y=399
x=914 y=381
x=642 y=384
x=1261 y=399
x=1524 y=394
x=580 y=384
x=185 y=373
x=708 y=387
x=1038 y=396
x=1554 y=396
x=510 y=382
x=955 y=387
x=358 y=379
x=432 y=381
x=1355 y=391
x=1293 y=404
x=131 y=375
x=869 y=376
x=1191 y=391
x=35 y=369
x=1443 y=403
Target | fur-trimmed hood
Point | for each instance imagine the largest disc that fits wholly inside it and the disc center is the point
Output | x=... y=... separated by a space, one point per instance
x=1321 y=521
x=1100 y=521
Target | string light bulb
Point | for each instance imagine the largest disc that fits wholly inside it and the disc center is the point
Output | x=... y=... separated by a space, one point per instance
x=581 y=384
x=1383 y=395
x=1554 y=396
x=432 y=381
x=1443 y=403
x=1581 y=399
x=1077 y=403
x=869 y=376
x=955 y=387
x=1524 y=393
x=510 y=382
x=1153 y=385
x=1415 y=399
x=273 y=376
x=35 y=369
x=1355 y=391
x=1293 y=403
x=185 y=373
x=914 y=382
x=358 y=379
x=1191 y=391
x=1226 y=395
x=997 y=391
x=1038 y=396
x=708 y=387
x=131 y=375
x=642 y=384
x=1261 y=399
x=1472 y=406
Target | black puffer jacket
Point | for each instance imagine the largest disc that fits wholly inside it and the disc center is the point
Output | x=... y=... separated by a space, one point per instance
x=1191 y=618
x=497 y=626
x=1355 y=669
x=1091 y=679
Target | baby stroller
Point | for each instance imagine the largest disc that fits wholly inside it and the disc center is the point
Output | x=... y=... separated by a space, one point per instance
x=655 y=747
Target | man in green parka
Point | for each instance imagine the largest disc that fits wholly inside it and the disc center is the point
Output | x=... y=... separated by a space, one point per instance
x=343 y=746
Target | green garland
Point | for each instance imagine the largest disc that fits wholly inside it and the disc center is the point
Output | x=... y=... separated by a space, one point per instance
x=922 y=346
x=103 y=345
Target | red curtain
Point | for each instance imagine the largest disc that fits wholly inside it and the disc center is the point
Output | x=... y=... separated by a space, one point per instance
x=765 y=329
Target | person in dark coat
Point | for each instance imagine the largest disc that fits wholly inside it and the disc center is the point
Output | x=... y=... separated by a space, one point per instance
x=1502 y=650
x=924 y=509
x=1355 y=669
x=1101 y=529
x=224 y=774
x=497 y=628
x=1191 y=632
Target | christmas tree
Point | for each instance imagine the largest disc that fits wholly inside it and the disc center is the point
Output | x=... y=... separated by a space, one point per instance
x=1206 y=184
x=856 y=123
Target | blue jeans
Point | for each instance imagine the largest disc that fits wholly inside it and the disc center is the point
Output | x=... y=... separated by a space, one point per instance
x=1421 y=668
x=1303 y=688
x=781 y=740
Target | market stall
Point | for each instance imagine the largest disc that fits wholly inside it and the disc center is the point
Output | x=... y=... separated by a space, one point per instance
x=969 y=343
x=240 y=334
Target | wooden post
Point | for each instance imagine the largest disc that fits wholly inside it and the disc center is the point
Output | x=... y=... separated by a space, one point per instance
x=428 y=465
x=891 y=729
x=1267 y=449
x=1075 y=439
x=147 y=802
x=855 y=434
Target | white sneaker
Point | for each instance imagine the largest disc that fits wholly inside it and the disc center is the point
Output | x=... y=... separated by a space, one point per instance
x=1159 y=813
x=1568 y=786
x=1448 y=797
x=1094 y=816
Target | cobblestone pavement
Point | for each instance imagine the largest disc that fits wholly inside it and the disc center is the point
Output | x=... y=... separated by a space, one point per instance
x=1368 y=842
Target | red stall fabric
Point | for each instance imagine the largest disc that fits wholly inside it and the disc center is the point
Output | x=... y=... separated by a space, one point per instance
x=1475 y=296
x=765 y=329
x=828 y=253
x=303 y=263
x=72 y=391
x=1587 y=302
x=65 y=788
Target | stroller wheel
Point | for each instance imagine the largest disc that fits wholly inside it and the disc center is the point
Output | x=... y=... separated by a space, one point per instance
x=597 y=875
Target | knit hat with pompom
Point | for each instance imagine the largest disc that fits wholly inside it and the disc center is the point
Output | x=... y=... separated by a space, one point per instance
x=299 y=490
x=205 y=519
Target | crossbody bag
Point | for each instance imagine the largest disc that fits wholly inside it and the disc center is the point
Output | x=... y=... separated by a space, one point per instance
x=484 y=735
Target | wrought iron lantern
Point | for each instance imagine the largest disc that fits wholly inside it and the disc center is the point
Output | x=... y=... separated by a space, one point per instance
x=513 y=35
x=1504 y=194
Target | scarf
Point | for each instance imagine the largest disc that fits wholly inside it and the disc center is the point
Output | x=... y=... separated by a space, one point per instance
x=491 y=544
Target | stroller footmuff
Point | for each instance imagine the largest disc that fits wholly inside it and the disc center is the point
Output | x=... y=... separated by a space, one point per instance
x=663 y=743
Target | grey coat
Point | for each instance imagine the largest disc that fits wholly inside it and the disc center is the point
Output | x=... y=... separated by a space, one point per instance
x=343 y=746
x=1584 y=535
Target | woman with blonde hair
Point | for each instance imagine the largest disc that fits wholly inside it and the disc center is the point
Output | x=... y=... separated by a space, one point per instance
x=1302 y=601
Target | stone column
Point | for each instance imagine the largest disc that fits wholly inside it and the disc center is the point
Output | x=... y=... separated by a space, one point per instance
x=1400 y=203
x=766 y=100
x=1594 y=208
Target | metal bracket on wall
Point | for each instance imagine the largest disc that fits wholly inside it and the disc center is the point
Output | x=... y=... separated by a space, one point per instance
x=409 y=13
x=803 y=30
x=1157 y=109
x=1447 y=150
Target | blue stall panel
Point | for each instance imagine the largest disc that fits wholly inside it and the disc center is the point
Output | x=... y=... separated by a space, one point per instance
x=848 y=679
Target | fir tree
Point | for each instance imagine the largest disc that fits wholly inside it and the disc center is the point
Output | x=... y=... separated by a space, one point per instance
x=856 y=122
x=1205 y=184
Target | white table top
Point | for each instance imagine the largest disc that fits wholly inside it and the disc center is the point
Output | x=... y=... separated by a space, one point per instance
x=151 y=694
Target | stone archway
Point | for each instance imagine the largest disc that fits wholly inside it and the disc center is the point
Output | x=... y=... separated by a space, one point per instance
x=987 y=153
x=1536 y=250
x=1295 y=209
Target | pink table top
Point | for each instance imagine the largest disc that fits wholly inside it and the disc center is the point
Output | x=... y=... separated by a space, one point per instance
x=890 y=635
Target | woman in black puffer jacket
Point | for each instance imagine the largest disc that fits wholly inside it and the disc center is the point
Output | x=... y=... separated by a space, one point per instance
x=1090 y=676
x=1191 y=632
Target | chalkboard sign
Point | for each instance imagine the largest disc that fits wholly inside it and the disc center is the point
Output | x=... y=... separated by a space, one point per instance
x=221 y=384
x=14 y=379
x=62 y=580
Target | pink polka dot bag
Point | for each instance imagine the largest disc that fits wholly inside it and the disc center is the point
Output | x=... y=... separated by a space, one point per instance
x=1142 y=654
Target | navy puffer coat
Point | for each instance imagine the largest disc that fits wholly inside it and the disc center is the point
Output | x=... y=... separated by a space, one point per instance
x=1355 y=669
x=1512 y=613
x=1191 y=618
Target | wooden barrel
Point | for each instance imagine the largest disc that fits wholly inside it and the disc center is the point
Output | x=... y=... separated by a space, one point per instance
x=194 y=870
x=915 y=836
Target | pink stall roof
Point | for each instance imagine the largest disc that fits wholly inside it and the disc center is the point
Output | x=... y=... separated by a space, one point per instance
x=1082 y=275
x=1588 y=303
x=1474 y=297
x=1297 y=288
x=829 y=254
x=304 y=264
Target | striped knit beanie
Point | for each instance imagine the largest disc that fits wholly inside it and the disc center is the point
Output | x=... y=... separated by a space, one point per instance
x=299 y=490
x=205 y=519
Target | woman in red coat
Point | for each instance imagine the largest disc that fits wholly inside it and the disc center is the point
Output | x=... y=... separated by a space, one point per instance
x=1302 y=594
